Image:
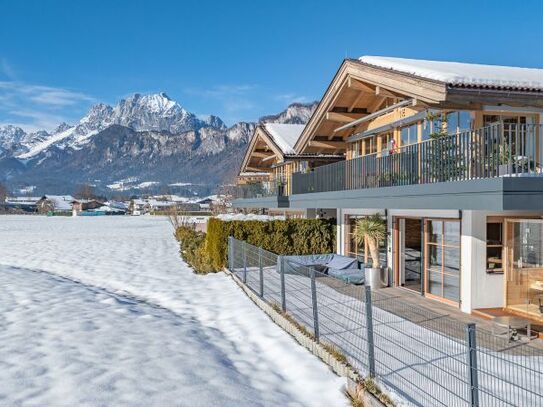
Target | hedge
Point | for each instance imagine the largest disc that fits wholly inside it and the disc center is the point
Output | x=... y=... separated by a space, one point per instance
x=208 y=252
x=193 y=249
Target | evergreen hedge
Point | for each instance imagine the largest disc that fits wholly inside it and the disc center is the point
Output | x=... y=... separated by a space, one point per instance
x=288 y=237
x=209 y=252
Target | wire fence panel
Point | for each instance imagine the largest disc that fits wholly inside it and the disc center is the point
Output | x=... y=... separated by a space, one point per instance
x=428 y=358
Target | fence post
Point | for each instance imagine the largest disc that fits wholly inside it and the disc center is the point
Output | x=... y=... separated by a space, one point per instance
x=261 y=270
x=472 y=364
x=283 y=294
x=315 y=309
x=369 y=329
x=230 y=253
x=244 y=262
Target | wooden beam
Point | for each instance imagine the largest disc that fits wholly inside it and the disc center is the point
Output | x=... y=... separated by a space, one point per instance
x=379 y=91
x=268 y=158
x=254 y=169
x=373 y=115
x=354 y=84
x=260 y=154
x=356 y=101
x=330 y=145
x=376 y=103
x=343 y=117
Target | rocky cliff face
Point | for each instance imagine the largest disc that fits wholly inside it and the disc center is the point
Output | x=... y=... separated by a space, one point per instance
x=148 y=138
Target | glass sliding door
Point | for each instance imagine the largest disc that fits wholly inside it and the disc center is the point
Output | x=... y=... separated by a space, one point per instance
x=524 y=267
x=410 y=253
x=442 y=259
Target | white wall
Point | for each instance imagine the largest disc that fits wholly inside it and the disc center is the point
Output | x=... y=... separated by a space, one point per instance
x=478 y=289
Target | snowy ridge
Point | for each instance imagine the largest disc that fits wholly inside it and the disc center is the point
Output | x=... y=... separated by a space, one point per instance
x=457 y=73
x=155 y=112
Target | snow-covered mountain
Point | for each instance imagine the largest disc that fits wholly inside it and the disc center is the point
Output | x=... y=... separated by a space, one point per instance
x=147 y=137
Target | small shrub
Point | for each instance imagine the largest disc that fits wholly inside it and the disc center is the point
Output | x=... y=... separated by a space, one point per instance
x=193 y=249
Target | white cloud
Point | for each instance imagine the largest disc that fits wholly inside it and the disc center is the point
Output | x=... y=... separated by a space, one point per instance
x=289 y=98
x=35 y=107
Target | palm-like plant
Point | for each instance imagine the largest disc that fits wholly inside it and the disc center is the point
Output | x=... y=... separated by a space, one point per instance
x=372 y=230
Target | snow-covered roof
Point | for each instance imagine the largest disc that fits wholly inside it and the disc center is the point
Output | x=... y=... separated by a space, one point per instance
x=284 y=135
x=463 y=74
x=60 y=202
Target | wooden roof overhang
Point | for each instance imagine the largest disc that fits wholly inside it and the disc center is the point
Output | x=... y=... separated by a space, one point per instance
x=262 y=153
x=359 y=90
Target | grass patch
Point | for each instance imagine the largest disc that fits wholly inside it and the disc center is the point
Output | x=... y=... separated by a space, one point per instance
x=367 y=385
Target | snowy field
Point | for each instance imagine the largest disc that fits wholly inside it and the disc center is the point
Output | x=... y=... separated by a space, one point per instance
x=102 y=311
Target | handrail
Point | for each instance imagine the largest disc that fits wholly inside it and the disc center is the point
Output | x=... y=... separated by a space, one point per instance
x=503 y=150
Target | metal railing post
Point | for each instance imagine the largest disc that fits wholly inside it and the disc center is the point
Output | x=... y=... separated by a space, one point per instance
x=369 y=331
x=283 y=293
x=315 y=309
x=244 y=262
x=472 y=364
x=261 y=272
x=230 y=253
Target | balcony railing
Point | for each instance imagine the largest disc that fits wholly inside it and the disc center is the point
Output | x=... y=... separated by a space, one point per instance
x=274 y=188
x=494 y=151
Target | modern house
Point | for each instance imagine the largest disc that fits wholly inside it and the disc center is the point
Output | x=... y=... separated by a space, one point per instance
x=449 y=153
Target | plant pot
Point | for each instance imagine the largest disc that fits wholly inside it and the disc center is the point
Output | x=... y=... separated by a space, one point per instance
x=373 y=278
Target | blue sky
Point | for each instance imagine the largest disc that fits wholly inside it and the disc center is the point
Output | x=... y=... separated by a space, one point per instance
x=236 y=59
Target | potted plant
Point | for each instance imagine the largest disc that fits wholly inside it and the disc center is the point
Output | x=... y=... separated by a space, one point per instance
x=372 y=230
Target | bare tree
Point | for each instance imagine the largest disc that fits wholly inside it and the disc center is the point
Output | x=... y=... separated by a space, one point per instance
x=3 y=193
x=178 y=217
x=86 y=191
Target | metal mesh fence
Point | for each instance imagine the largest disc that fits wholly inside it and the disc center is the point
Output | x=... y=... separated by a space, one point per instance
x=428 y=359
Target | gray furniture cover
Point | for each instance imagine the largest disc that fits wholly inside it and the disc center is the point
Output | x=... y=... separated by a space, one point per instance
x=338 y=266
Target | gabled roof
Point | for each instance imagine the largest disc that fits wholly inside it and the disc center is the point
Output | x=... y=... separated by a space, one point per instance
x=277 y=139
x=463 y=74
x=60 y=202
x=368 y=85
x=284 y=135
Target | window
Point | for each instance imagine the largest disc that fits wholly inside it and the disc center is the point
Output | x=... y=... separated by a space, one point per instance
x=370 y=146
x=458 y=122
x=494 y=247
x=361 y=252
x=409 y=135
x=429 y=127
x=385 y=141
x=442 y=259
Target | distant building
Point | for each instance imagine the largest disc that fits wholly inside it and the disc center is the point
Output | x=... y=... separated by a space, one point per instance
x=61 y=204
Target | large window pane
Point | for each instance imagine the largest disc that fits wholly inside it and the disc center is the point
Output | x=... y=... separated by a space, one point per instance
x=435 y=231
x=465 y=121
x=451 y=261
x=435 y=257
x=452 y=233
x=452 y=122
x=451 y=287
x=435 y=283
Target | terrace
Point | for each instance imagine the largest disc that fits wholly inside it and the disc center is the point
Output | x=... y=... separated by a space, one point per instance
x=489 y=161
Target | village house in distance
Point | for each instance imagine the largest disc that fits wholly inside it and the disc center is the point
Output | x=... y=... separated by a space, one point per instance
x=450 y=154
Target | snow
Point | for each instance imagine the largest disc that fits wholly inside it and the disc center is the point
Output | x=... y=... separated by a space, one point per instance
x=126 y=185
x=102 y=311
x=60 y=202
x=39 y=147
x=457 y=73
x=180 y=184
x=285 y=135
